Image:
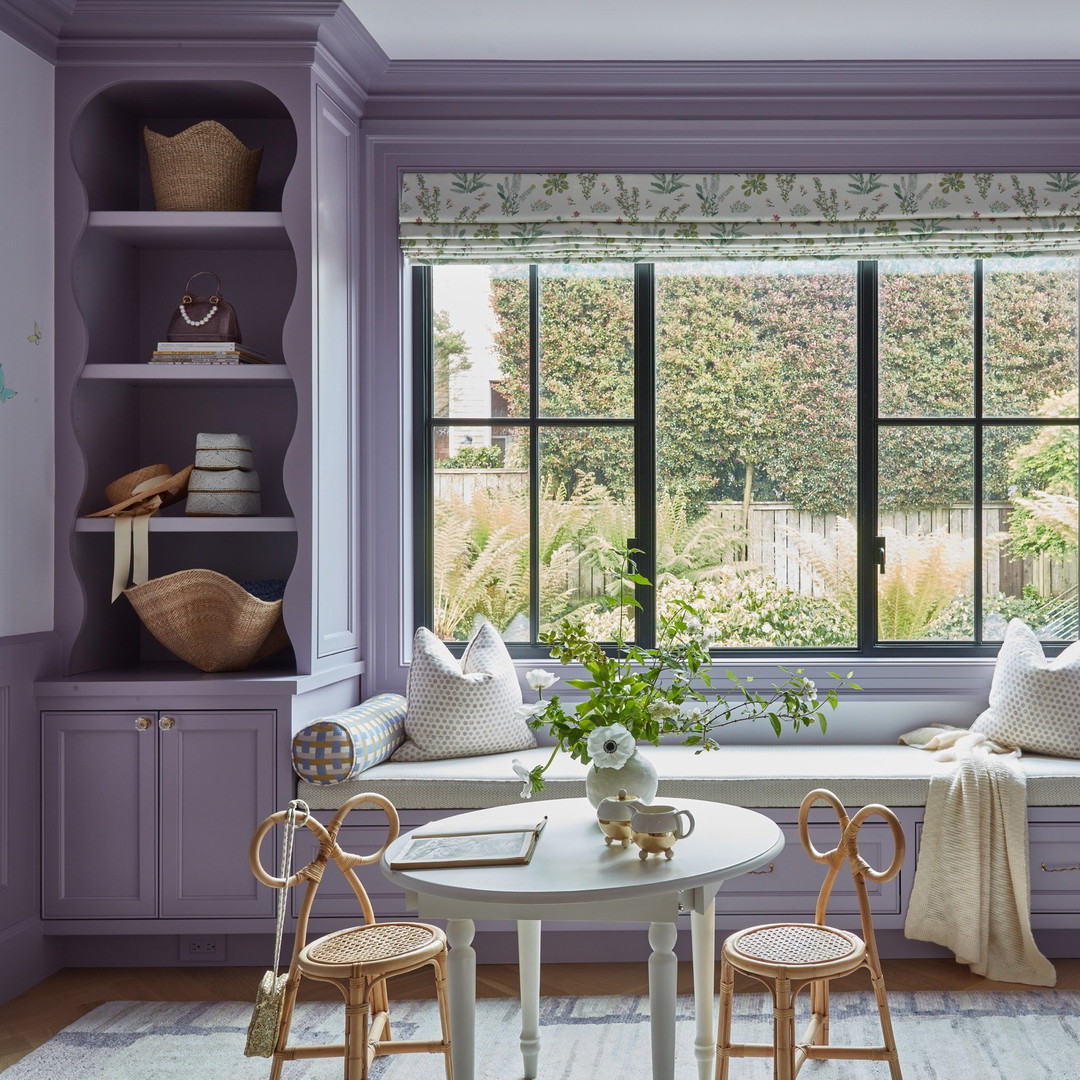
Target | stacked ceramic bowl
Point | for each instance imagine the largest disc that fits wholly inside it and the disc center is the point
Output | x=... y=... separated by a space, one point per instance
x=223 y=482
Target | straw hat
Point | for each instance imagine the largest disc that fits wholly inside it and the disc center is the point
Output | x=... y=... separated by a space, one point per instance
x=142 y=485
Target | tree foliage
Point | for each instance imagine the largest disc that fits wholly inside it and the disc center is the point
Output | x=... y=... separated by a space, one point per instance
x=757 y=380
x=450 y=355
x=1043 y=472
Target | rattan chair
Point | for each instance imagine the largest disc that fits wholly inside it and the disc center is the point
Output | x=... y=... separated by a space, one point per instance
x=787 y=957
x=357 y=960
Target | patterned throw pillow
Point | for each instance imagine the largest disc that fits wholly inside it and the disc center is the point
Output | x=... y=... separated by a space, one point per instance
x=339 y=747
x=1034 y=702
x=460 y=709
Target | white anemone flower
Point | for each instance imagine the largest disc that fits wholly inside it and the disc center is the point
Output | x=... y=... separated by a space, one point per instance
x=537 y=708
x=610 y=747
x=526 y=777
x=539 y=679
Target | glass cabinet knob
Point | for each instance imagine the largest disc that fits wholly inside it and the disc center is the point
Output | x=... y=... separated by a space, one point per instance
x=143 y=722
x=166 y=722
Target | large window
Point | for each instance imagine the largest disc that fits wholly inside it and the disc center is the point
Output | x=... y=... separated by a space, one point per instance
x=824 y=454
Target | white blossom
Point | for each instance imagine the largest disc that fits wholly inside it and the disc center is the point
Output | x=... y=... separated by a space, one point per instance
x=539 y=679
x=661 y=710
x=537 y=708
x=610 y=747
x=526 y=776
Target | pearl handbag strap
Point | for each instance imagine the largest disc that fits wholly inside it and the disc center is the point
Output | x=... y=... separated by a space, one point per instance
x=290 y=825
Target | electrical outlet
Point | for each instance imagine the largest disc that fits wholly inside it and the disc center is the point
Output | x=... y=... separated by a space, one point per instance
x=203 y=949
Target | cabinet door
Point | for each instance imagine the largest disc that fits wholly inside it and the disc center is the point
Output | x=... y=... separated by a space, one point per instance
x=217 y=784
x=99 y=780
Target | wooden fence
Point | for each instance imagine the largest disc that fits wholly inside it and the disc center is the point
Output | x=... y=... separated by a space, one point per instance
x=780 y=536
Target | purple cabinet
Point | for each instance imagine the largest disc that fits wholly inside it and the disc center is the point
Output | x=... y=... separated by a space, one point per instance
x=149 y=814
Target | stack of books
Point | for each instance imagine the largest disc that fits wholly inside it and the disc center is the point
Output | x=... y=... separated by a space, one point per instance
x=205 y=352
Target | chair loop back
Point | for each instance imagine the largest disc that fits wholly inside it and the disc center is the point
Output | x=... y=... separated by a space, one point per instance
x=329 y=850
x=848 y=849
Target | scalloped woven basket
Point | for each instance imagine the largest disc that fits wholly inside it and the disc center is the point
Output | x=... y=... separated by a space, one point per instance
x=205 y=167
x=209 y=620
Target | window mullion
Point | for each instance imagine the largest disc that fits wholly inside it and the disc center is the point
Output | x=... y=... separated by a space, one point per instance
x=423 y=471
x=534 y=452
x=977 y=457
x=645 y=421
x=867 y=299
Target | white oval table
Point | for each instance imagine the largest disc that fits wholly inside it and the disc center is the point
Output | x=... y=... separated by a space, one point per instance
x=573 y=876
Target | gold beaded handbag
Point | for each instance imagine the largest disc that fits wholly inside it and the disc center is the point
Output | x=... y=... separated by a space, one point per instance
x=204 y=318
x=265 y=1023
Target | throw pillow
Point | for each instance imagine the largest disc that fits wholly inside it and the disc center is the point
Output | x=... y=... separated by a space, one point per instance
x=1034 y=702
x=339 y=747
x=462 y=708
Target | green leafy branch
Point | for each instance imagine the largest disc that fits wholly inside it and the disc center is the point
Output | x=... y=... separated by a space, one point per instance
x=664 y=690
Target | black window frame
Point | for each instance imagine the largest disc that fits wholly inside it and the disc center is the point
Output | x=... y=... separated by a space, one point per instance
x=869 y=423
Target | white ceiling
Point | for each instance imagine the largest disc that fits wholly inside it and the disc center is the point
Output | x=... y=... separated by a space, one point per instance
x=723 y=29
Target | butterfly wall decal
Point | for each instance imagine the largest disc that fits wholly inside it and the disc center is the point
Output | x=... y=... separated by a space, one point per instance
x=36 y=336
x=6 y=393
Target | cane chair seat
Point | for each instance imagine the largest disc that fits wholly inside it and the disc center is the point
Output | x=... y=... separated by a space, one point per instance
x=379 y=947
x=358 y=959
x=807 y=950
x=789 y=957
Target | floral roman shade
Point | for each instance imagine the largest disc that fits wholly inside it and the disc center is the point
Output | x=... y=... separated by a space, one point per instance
x=588 y=217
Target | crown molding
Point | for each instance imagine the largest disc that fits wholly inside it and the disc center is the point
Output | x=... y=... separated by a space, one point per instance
x=356 y=54
x=35 y=23
x=974 y=89
x=252 y=31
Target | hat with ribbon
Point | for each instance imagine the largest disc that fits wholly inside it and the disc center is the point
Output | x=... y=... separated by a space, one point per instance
x=135 y=493
x=132 y=500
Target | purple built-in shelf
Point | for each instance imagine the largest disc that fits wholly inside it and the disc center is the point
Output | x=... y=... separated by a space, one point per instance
x=197 y=524
x=165 y=677
x=190 y=374
x=258 y=230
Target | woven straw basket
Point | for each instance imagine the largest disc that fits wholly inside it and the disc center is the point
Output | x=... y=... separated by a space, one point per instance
x=205 y=167
x=209 y=620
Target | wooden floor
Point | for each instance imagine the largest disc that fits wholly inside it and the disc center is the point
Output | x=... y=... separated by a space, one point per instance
x=34 y=1017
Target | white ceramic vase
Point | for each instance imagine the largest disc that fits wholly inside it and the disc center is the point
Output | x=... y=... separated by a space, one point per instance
x=637 y=777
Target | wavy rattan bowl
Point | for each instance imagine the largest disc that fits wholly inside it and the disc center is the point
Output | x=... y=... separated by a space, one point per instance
x=205 y=167
x=209 y=620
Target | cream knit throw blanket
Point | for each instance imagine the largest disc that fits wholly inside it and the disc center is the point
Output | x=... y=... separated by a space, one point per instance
x=972 y=892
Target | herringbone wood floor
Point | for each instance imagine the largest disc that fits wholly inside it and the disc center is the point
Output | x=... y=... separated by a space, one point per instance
x=32 y=1018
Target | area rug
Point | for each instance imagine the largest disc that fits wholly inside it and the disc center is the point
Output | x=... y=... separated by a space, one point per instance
x=1022 y=1035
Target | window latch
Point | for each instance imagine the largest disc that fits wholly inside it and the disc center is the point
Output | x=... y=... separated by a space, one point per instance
x=879 y=553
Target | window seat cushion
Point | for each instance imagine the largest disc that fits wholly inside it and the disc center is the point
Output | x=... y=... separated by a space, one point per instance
x=772 y=775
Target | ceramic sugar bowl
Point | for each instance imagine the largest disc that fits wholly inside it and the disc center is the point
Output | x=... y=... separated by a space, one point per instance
x=656 y=828
x=614 y=818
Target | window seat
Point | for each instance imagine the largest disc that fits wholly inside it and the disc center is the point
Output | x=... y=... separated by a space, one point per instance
x=771 y=775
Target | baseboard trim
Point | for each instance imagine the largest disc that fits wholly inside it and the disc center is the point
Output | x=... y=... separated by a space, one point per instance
x=29 y=957
x=568 y=944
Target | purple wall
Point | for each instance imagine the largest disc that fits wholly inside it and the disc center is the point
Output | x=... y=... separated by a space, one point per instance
x=759 y=117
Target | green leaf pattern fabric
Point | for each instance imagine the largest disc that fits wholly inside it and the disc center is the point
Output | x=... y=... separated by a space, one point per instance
x=603 y=217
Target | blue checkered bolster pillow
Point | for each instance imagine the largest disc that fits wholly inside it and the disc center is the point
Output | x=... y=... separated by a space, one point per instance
x=339 y=747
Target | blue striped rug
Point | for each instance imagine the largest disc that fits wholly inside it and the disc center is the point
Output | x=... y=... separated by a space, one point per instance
x=1015 y=1035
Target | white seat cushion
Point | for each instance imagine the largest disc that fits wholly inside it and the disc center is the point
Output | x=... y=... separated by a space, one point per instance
x=762 y=776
